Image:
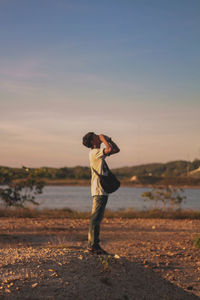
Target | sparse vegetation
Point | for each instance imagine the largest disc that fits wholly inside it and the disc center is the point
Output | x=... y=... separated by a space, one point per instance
x=166 y=198
x=106 y=261
x=196 y=241
x=124 y=214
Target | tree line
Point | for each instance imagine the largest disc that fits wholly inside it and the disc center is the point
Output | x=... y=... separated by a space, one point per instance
x=174 y=169
x=178 y=168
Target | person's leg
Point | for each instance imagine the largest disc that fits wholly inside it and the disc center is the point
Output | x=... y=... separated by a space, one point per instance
x=98 y=208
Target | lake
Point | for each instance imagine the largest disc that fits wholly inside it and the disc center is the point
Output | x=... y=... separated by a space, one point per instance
x=79 y=198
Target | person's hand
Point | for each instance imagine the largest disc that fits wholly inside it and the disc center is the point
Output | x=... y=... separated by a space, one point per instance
x=108 y=139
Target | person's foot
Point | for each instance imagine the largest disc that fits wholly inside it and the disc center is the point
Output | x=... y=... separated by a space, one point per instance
x=102 y=251
x=97 y=250
x=92 y=250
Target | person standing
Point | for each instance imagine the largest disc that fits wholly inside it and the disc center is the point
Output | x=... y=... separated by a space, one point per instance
x=97 y=156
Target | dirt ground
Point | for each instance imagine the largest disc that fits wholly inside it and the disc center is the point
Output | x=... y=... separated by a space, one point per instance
x=149 y=259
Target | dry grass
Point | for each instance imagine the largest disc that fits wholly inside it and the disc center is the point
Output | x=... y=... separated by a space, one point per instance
x=72 y=214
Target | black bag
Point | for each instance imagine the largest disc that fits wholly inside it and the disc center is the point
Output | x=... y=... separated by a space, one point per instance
x=109 y=182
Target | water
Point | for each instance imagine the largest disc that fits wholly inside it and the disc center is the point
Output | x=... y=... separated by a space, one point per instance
x=79 y=198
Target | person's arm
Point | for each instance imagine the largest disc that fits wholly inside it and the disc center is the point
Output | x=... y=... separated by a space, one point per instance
x=103 y=138
x=111 y=147
x=115 y=148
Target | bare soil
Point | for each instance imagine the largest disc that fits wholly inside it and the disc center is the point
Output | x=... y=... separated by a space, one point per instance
x=43 y=258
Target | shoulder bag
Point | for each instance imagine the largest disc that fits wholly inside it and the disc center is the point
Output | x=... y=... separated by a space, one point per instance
x=109 y=182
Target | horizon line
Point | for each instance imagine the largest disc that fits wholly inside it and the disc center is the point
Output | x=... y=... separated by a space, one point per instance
x=84 y=166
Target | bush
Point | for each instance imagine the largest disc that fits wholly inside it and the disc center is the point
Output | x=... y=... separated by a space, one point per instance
x=17 y=193
x=168 y=197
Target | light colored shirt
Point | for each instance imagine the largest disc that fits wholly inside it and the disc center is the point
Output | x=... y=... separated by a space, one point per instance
x=97 y=158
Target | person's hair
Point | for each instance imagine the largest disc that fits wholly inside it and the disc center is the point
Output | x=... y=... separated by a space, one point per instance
x=87 y=139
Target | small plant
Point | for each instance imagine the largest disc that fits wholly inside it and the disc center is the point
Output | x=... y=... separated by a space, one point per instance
x=106 y=262
x=196 y=241
x=169 y=197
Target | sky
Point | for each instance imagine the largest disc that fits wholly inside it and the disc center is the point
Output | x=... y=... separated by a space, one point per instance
x=128 y=69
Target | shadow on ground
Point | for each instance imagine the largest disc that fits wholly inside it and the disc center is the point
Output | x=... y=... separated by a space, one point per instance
x=52 y=264
x=52 y=272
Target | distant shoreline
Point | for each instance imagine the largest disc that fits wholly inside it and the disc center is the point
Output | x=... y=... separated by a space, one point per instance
x=124 y=183
x=70 y=182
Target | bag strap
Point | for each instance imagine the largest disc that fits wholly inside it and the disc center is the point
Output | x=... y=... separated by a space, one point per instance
x=106 y=165
x=96 y=172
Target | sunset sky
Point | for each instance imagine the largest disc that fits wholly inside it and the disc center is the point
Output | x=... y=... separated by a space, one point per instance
x=126 y=68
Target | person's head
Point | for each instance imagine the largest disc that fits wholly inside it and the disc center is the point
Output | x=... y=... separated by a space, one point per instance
x=91 y=140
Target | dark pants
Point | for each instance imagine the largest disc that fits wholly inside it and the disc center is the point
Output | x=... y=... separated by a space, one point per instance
x=98 y=208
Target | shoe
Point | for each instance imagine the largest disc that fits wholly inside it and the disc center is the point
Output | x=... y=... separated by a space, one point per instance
x=97 y=250
x=92 y=250
x=102 y=251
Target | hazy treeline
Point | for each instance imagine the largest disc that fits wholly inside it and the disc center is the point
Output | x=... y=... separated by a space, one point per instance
x=173 y=169
x=170 y=169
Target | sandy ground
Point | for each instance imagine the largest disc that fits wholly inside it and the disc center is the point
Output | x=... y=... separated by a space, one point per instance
x=150 y=259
